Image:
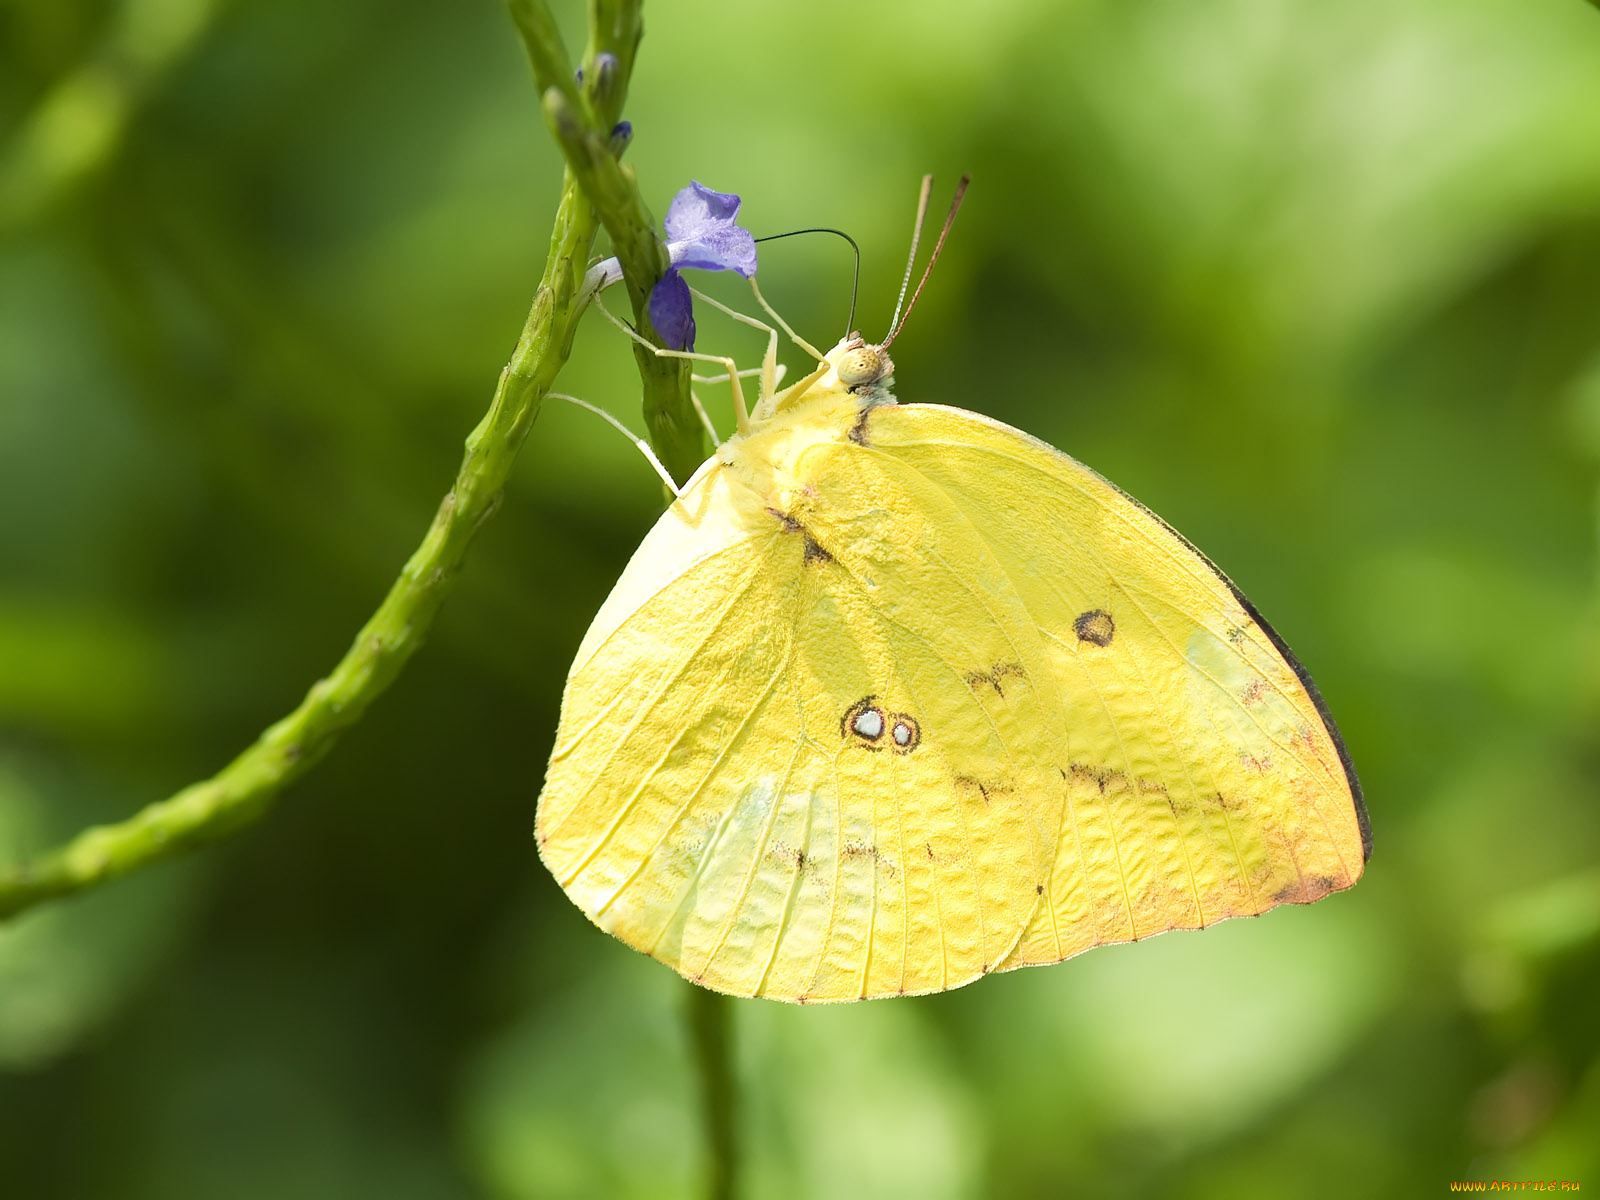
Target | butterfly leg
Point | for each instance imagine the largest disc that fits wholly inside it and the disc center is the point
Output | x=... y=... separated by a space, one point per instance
x=741 y=414
x=769 y=360
x=784 y=325
x=700 y=408
x=705 y=418
x=639 y=443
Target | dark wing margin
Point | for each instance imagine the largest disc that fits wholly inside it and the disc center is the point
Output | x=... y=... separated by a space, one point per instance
x=1363 y=822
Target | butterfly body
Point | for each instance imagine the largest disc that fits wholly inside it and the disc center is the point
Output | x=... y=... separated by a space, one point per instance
x=894 y=696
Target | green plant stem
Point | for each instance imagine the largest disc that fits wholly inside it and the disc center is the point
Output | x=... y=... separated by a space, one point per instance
x=596 y=189
x=710 y=1030
x=245 y=789
x=582 y=121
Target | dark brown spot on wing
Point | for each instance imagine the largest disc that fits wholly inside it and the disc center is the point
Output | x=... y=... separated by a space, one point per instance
x=968 y=784
x=1095 y=627
x=1308 y=891
x=815 y=552
x=1110 y=781
x=791 y=856
x=858 y=431
x=856 y=848
x=1104 y=778
x=1232 y=804
x=847 y=723
x=995 y=677
x=905 y=734
x=790 y=525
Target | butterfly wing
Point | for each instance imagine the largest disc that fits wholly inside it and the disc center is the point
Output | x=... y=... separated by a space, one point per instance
x=714 y=798
x=1201 y=777
x=944 y=702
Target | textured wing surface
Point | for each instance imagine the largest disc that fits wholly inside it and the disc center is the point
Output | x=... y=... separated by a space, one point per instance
x=1199 y=778
x=773 y=772
x=943 y=702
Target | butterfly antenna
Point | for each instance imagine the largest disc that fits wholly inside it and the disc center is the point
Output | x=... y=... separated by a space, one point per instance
x=911 y=259
x=855 y=282
x=899 y=321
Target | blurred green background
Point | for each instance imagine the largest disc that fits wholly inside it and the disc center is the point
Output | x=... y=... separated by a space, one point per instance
x=1319 y=282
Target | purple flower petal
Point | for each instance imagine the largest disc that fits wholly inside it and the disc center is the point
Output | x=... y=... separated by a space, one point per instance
x=672 y=311
x=697 y=206
x=701 y=232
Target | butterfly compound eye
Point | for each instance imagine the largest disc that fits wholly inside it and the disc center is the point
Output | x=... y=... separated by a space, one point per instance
x=862 y=365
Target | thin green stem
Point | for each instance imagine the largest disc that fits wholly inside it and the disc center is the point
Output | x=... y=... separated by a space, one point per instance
x=597 y=189
x=710 y=1017
x=246 y=788
x=583 y=122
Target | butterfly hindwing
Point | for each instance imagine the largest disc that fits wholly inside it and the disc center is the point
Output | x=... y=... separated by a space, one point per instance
x=779 y=783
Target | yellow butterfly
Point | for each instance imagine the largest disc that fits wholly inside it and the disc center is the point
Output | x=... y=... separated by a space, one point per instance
x=894 y=695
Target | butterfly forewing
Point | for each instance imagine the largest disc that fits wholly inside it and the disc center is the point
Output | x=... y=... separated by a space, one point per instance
x=1200 y=778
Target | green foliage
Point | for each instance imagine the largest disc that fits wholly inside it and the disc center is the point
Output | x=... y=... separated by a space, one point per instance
x=1318 y=282
x=594 y=1094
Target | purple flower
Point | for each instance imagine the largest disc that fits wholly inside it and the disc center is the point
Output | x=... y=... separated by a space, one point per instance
x=702 y=232
x=672 y=311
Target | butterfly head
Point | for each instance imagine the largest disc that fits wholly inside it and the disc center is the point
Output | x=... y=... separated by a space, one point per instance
x=859 y=366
